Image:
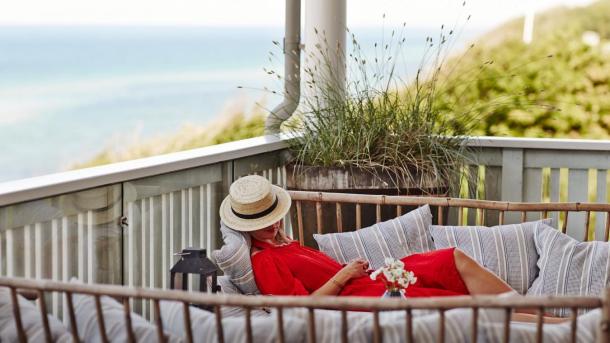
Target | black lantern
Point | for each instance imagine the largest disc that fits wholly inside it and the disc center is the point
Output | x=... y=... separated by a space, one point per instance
x=194 y=261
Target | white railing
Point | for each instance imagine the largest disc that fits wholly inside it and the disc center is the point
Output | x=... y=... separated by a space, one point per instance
x=534 y=170
x=121 y=223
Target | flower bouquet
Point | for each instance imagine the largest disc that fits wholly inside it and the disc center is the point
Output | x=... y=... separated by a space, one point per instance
x=395 y=278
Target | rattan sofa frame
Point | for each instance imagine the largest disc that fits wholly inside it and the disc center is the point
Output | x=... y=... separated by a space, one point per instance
x=343 y=304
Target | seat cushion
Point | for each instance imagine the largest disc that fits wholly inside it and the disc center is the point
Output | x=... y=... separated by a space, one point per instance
x=30 y=319
x=399 y=237
x=506 y=250
x=114 y=320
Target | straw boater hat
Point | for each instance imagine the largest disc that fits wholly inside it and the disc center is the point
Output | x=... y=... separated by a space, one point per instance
x=254 y=203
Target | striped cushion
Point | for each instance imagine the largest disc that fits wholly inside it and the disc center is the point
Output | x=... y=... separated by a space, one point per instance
x=114 y=320
x=30 y=320
x=506 y=250
x=227 y=287
x=233 y=259
x=569 y=267
x=399 y=237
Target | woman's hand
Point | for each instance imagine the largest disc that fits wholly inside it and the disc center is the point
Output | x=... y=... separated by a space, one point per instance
x=356 y=268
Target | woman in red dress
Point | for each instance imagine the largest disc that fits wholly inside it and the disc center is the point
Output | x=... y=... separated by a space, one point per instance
x=282 y=266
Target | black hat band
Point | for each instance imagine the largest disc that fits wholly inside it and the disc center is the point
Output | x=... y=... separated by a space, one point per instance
x=259 y=214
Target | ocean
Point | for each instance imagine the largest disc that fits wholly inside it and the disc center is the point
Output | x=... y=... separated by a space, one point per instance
x=66 y=93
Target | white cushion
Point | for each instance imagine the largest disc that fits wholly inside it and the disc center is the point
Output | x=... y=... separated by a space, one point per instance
x=203 y=325
x=114 y=320
x=227 y=287
x=30 y=319
x=399 y=237
x=506 y=250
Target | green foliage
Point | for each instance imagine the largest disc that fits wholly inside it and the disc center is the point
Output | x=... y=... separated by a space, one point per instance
x=380 y=123
x=229 y=127
x=555 y=87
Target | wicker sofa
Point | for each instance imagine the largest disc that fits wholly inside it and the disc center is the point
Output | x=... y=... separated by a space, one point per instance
x=344 y=305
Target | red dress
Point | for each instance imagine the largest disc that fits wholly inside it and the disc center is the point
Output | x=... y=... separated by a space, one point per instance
x=293 y=269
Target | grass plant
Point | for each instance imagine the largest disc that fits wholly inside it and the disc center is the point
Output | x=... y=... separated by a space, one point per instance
x=383 y=122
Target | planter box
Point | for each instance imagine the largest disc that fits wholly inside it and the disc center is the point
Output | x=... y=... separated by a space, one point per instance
x=347 y=180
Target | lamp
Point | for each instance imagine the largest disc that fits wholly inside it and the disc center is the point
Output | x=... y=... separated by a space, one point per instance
x=194 y=261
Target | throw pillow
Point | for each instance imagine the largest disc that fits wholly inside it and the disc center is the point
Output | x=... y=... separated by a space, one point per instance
x=569 y=267
x=233 y=258
x=30 y=319
x=399 y=237
x=506 y=250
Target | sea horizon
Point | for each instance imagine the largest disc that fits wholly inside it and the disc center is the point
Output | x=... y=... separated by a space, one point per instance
x=69 y=91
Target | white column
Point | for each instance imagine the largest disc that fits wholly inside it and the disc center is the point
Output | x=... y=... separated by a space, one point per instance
x=328 y=19
x=528 y=25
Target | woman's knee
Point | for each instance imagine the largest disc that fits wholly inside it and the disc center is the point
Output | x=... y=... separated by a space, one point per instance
x=462 y=260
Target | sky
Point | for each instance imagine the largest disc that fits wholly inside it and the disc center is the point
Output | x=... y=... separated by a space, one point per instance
x=485 y=13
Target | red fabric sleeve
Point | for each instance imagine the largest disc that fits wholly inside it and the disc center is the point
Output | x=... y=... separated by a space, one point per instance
x=273 y=277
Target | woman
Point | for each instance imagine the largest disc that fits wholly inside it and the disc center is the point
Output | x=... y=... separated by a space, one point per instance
x=283 y=267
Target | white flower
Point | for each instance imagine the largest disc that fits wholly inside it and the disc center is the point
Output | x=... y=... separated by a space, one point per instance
x=376 y=273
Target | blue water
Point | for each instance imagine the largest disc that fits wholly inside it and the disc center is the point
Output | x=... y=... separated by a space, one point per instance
x=66 y=93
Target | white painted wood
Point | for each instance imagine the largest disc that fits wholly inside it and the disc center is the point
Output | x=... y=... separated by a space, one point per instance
x=164 y=243
x=65 y=263
x=144 y=272
x=578 y=181
x=55 y=263
x=131 y=265
x=183 y=219
x=2 y=257
x=555 y=191
x=540 y=143
x=65 y=251
x=172 y=229
x=567 y=159
x=512 y=175
x=209 y=227
x=38 y=252
x=27 y=252
x=532 y=188
x=473 y=179
x=287 y=221
x=61 y=183
x=203 y=204
x=152 y=251
x=91 y=254
x=190 y=217
x=279 y=176
x=512 y=180
x=493 y=189
x=10 y=253
x=601 y=196
x=80 y=246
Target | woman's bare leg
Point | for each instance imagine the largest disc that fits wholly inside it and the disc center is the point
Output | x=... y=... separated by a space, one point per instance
x=479 y=280
x=531 y=318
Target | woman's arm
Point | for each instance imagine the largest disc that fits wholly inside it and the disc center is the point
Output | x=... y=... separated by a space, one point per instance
x=354 y=269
